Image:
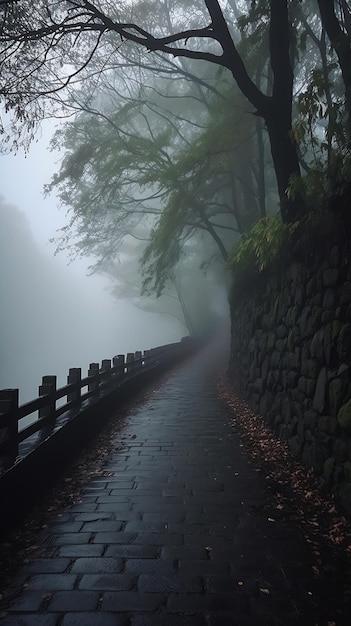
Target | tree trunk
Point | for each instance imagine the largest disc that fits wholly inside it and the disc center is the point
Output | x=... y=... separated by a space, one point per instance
x=261 y=179
x=341 y=43
x=286 y=163
x=279 y=114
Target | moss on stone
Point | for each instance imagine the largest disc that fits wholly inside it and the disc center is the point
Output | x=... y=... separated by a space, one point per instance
x=336 y=394
x=270 y=341
x=262 y=344
x=316 y=346
x=280 y=345
x=344 y=341
x=331 y=334
x=310 y=387
x=344 y=417
x=291 y=316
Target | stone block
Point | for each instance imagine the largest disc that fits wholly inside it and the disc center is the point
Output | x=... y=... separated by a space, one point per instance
x=336 y=392
x=312 y=456
x=330 y=277
x=301 y=384
x=301 y=431
x=328 y=471
x=334 y=256
x=293 y=338
x=344 y=417
x=329 y=299
x=305 y=322
x=292 y=316
x=344 y=342
x=344 y=498
x=317 y=345
x=263 y=406
x=275 y=360
x=270 y=341
x=309 y=368
x=310 y=418
x=310 y=387
x=299 y=296
x=331 y=334
x=327 y=317
x=341 y=314
x=328 y=424
x=340 y=450
x=295 y=447
x=282 y=332
x=345 y=295
x=319 y=400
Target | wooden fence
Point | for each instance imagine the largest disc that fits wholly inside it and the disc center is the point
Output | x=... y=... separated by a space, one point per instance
x=79 y=392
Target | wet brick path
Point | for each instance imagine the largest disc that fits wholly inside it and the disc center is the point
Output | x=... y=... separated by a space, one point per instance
x=176 y=533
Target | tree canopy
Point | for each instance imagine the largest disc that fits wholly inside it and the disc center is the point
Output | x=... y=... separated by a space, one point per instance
x=180 y=113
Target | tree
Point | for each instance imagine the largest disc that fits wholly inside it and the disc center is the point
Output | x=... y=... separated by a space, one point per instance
x=339 y=33
x=41 y=45
x=157 y=173
x=196 y=309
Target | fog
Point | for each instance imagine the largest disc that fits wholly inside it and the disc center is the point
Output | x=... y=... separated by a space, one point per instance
x=53 y=316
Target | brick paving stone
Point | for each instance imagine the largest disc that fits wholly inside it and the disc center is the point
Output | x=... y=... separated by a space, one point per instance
x=176 y=531
x=203 y=568
x=94 y=619
x=71 y=538
x=87 y=550
x=70 y=527
x=96 y=565
x=134 y=551
x=95 y=516
x=205 y=603
x=114 y=538
x=65 y=601
x=51 y=582
x=101 y=526
x=131 y=601
x=146 y=527
x=146 y=566
x=28 y=601
x=171 y=582
x=159 y=539
x=169 y=620
x=34 y=619
x=108 y=582
x=47 y=566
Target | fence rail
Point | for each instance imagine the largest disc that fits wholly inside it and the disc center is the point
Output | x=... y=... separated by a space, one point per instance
x=78 y=393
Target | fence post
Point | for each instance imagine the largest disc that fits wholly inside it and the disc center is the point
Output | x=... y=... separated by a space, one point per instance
x=93 y=371
x=74 y=376
x=137 y=357
x=130 y=362
x=9 y=407
x=118 y=361
x=146 y=357
x=48 y=388
x=106 y=367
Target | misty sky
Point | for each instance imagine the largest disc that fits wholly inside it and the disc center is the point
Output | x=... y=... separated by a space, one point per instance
x=52 y=315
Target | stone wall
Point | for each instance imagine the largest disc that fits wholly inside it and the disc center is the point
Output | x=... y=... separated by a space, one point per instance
x=291 y=353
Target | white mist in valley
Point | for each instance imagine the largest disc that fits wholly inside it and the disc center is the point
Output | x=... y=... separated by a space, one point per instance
x=52 y=318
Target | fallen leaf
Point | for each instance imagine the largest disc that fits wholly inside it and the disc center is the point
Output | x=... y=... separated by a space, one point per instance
x=47 y=595
x=265 y=591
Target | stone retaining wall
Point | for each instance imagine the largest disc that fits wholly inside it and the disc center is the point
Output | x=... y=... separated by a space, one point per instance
x=291 y=355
